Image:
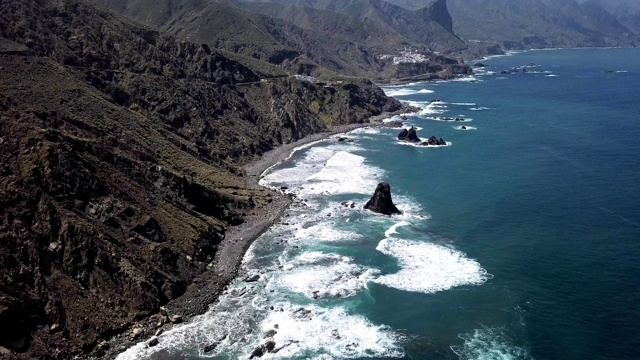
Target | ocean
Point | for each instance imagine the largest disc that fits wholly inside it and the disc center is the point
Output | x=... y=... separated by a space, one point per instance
x=520 y=239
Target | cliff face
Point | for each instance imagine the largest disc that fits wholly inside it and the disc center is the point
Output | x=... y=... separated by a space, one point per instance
x=120 y=150
x=438 y=12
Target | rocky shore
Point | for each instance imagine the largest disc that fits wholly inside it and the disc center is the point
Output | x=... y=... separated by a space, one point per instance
x=207 y=288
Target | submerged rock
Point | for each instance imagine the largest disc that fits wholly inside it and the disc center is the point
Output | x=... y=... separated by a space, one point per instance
x=381 y=201
x=409 y=135
x=253 y=278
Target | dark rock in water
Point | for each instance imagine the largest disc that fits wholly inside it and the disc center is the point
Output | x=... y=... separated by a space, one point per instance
x=403 y=117
x=342 y=139
x=210 y=348
x=268 y=347
x=434 y=141
x=381 y=201
x=464 y=127
x=409 y=135
x=270 y=333
x=257 y=352
x=253 y=278
x=479 y=64
x=284 y=187
x=302 y=313
x=153 y=342
x=504 y=72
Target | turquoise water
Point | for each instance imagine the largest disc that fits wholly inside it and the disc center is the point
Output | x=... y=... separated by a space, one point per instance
x=519 y=240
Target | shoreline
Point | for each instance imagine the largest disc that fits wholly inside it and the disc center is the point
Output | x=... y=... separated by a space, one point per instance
x=208 y=286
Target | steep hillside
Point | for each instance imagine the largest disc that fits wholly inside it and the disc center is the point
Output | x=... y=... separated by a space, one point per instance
x=428 y=26
x=308 y=37
x=626 y=11
x=522 y=24
x=120 y=154
x=619 y=8
x=492 y=26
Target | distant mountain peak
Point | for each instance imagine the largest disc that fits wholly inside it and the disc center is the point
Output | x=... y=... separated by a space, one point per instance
x=439 y=13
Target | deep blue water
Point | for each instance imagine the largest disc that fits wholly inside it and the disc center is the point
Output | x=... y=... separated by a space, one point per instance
x=520 y=240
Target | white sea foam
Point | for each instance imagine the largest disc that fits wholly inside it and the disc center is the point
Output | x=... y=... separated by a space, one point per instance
x=480 y=108
x=411 y=210
x=426 y=91
x=429 y=268
x=490 y=344
x=420 y=145
x=400 y=92
x=393 y=229
x=450 y=119
x=467 y=128
x=365 y=130
x=467 y=79
x=343 y=173
x=464 y=104
x=432 y=109
x=552 y=75
x=325 y=231
x=312 y=162
x=334 y=333
x=319 y=275
x=326 y=170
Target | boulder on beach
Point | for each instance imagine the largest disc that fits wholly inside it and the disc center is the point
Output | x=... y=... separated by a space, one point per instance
x=409 y=135
x=381 y=201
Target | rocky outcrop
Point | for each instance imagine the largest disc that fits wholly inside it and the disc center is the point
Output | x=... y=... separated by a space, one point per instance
x=381 y=201
x=434 y=141
x=409 y=135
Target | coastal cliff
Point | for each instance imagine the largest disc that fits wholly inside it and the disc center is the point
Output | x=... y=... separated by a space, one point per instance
x=121 y=162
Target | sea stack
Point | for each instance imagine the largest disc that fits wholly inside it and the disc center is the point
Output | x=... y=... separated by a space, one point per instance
x=381 y=202
x=409 y=135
